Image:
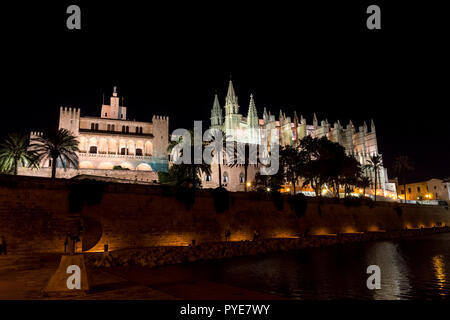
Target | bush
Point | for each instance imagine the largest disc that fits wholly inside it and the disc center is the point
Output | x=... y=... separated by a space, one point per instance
x=299 y=204
x=398 y=210
x=221 y=199
x=120 y=168
x=277 y=199
x=185 y=195
x=85 y=191
x=353 y=201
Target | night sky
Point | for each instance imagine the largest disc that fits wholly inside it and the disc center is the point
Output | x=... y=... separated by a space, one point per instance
x=169 y=58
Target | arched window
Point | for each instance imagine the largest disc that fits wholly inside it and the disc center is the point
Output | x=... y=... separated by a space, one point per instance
x=208 y=177
x=127 y=129
x=93 y=149
x=138 y=151
x=225 y=177
x=123 y=151
x=140 y=130
x=92 y=126
x=108 y=127
x=137 y=129
x=112 y=127
x=96 y=126
x=241 y=178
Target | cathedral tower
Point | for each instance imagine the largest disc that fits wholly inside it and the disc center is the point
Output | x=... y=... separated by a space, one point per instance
x=216 y=114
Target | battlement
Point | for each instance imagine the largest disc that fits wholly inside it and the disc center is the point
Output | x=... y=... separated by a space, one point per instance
x=160 y=118
x=36 y=134
x=69 y=110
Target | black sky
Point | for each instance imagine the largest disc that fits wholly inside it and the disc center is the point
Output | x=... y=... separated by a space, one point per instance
x=168 y=58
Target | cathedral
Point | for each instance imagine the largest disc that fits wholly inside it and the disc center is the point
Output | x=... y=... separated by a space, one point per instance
x=359 y=142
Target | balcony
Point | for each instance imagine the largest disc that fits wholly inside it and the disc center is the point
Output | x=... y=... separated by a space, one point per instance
x=113 y=156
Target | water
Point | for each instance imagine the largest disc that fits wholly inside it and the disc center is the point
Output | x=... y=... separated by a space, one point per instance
x=410 y=269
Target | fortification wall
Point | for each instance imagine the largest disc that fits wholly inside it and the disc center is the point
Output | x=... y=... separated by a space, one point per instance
x=34 y=216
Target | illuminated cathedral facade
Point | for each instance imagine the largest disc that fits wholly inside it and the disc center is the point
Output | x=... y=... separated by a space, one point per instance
x=360 y=142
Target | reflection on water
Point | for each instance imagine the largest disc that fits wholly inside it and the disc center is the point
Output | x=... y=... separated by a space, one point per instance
x=410 y=269
x=439 y=270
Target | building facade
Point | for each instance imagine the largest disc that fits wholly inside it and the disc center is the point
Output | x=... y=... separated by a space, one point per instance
x=111 y=141
x=359 y=142
x=432 y=189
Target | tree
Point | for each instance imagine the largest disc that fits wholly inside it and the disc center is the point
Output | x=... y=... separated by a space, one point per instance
x=249 y=153
x=58 y=145
x=402 y=165
x=14 y=151
x=375 y=163
x=364 y=183
x=187 y=174
x=291 y=164
x=350 y=173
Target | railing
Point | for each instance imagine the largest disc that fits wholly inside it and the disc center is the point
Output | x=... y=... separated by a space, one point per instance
x=113 y=155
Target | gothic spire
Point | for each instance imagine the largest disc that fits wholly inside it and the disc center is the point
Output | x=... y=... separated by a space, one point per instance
x=231 y=101
x=216 y=112
x=315 y=122
x=265 y=116
x=252 y=116
x=372 y=126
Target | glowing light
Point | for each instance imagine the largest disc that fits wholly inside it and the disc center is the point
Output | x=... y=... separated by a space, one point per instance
x=249 y=184
x=439 y=271
x=288 y=189
x=268 y=189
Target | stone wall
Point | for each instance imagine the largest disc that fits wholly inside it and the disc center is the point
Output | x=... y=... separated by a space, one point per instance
x=34 y=216
x=128 y=175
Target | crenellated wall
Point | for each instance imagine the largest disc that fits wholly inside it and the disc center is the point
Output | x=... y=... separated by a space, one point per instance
x=34 y=217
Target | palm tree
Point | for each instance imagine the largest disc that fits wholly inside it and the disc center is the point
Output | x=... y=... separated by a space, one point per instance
x=364 y=183
x=250 y=153
x=191 y=170
x=375 y=163
x=402 y=165
x=59 y=144
x=14 y=151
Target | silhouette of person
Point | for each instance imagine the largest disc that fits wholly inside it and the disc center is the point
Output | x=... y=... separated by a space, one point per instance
x=3 y=248
x=227 y=235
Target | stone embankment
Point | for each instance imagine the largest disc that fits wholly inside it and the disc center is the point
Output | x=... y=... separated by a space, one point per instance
x=158 y=256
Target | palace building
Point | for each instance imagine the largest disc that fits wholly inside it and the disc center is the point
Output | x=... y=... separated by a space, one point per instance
x=359 y=142
x=111 y=142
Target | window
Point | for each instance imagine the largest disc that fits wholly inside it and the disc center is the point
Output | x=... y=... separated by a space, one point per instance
x=241 y=178
x=108 y=127
x=139 y=152
x=112 y=127
x=96 y=126
x=225 y=177
x=106 y=114
x=93 y=149
x=92 y=126
x=137 y=129
x=50 y=161
x=208 y=177
x=141 y=130
x=409 y=190
x=436 y=195
x=418 y=189
x=127 y=129
x=123 y=151
x=123 y=128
